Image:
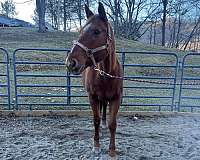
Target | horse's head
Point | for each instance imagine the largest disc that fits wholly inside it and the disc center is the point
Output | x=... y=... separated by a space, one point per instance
x=92 y=44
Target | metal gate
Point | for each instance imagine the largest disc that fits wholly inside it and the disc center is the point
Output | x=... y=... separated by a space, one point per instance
x=189 y=93
x=41 y=80
x=156 y=85
x=4 y=80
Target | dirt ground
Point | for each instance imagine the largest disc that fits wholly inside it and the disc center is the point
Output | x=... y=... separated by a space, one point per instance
x=70 y=138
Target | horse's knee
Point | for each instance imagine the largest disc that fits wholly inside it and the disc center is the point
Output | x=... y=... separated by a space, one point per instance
x=112 y=125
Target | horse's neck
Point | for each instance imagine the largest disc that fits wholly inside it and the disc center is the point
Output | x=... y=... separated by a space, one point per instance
x=109 y=64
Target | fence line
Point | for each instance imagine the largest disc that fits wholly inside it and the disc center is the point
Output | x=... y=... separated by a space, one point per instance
x=4 y=79
x=189 y=95
x=21 y=87
x=74 y=99
x=41 y=81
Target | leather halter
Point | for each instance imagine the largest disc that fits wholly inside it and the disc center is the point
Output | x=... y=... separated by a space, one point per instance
x=90 y=52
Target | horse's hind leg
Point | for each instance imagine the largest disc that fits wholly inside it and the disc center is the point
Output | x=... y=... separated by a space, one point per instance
x=103 y=105
x=114 y=107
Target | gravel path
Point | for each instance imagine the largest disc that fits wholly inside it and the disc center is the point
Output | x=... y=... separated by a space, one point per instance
x=63 y=138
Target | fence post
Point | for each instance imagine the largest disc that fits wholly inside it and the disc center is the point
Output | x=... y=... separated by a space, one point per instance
x=181 y=67
x=15 y=105
x=123 y=58
x=7 y=74
x=68 y=87
x=175 y=86
x=8 y=81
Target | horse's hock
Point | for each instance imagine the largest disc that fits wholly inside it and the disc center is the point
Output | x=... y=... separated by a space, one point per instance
x=60 y=135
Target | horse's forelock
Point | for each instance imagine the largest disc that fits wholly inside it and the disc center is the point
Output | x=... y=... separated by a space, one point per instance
x=89 y=20
x=87 y=23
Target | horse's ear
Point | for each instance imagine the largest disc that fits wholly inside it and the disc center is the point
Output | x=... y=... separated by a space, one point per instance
x=88 y=12
x=102 y=12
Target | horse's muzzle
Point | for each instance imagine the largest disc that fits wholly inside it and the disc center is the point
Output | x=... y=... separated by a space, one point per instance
x=73 y=66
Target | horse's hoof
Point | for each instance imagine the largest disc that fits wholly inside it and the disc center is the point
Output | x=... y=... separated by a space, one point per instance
x=96 y=150
x=112 y=153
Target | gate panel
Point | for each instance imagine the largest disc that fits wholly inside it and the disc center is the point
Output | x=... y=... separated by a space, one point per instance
x=41 y=80
x=4 y=80
x=149 y=92
x=189 y=95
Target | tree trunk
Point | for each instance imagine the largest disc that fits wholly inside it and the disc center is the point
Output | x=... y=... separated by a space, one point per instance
x=40 y=5
x=116 y=22
x=150 y=36
x=65 y=17
x=165 y=2
x=58 y=15
x=178 y=31
x=174 y=32
x=154 y=33
x=79 y=13
x=87 y=2
x=191 y=34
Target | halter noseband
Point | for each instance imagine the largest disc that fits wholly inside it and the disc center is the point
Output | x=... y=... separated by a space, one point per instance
x=90 y=52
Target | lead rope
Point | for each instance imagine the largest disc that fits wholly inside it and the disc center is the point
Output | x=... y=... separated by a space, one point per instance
x=103 y=73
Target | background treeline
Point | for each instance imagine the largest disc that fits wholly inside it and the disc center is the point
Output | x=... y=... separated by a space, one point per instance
x=171 y=23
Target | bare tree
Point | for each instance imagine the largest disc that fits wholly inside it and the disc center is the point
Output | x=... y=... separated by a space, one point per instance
x=40 y=5
x=128 y=16
x=88 y=3
x=58 y=14
x=64 y=14
x=195 y=28
x=8 y=8
x=164 y=2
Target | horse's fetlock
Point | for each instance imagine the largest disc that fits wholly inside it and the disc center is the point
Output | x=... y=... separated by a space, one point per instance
x=111 y=147
x=97 y=122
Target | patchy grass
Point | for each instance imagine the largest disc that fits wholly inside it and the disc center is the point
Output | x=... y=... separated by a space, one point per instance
x=12 y=38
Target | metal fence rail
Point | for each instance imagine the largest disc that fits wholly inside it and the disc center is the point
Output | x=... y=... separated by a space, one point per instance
x=4 y=80
x=190 y=83
x=140 y=94
x=41 y=81
x=38 y=83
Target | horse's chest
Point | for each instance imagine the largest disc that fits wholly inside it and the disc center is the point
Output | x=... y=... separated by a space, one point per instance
x=104 y=89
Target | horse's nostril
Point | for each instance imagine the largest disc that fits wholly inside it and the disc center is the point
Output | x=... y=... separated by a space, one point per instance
x=73 y=63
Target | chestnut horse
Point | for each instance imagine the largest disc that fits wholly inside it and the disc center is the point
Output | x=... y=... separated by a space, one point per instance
x=95 y=49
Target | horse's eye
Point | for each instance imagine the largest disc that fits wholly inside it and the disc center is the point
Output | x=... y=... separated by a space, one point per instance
x=97 y=32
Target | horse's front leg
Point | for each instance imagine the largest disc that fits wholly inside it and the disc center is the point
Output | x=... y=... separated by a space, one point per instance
x=114 y=107
x=96 y=119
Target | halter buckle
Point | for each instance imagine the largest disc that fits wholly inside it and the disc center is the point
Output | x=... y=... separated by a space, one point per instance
x=89 y=53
